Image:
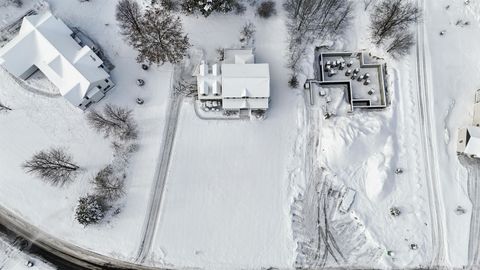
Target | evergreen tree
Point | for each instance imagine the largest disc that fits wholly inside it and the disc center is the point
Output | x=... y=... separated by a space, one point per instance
x=164 y=40
x=90 y=210
x=156 y=34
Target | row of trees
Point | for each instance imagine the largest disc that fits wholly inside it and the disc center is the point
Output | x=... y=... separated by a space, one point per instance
x=155 y=33
x=56 y=165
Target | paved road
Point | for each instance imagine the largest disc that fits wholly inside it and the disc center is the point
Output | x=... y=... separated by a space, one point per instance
x=151 y=221
x=61 y=249
x=429 y=141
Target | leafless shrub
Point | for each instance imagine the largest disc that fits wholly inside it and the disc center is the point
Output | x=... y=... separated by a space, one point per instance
x=185 y=88
x=114 y=121
x=55 y=166
x=247 y=34
x=401 y=44
x=109 y=184
x=220 y=54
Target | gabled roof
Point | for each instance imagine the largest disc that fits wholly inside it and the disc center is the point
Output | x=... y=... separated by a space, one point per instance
x=246 y=80
x=45 y=42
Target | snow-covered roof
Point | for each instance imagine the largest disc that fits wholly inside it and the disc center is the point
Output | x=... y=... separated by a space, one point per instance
x=472 y=146
x=45 y=42
x=245 y=80
x=238 y=56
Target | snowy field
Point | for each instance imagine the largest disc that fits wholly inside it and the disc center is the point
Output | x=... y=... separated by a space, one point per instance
x=228 y=197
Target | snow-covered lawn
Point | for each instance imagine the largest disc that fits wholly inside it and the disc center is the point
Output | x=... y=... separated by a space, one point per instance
x=454 y=64
x=38 y=122
x=227 y=197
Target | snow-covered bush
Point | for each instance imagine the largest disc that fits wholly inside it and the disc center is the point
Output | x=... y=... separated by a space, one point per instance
x=90 y=210
x=266 y=9
x=207 y=7
x=54 y=165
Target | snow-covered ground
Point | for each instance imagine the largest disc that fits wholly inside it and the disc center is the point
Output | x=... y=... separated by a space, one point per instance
x=39 y=122
x=230 y=187
x=227 y=200
x=11 y=258
x=454 y=77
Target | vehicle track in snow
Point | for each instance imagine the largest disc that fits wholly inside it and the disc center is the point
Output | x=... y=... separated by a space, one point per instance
x=473 y=168
x=429 y=140
x=161 y=173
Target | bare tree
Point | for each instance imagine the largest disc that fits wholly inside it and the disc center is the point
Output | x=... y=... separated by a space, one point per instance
x=54 y=166
x=401 y=44
x=4 y=107
x=109 y=184
x=315 y=20
x=391 y=17
x=114 y=120
x=129 y=15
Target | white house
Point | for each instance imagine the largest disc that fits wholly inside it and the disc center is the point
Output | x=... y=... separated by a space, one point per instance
x=45 y=43
x=238 y=83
